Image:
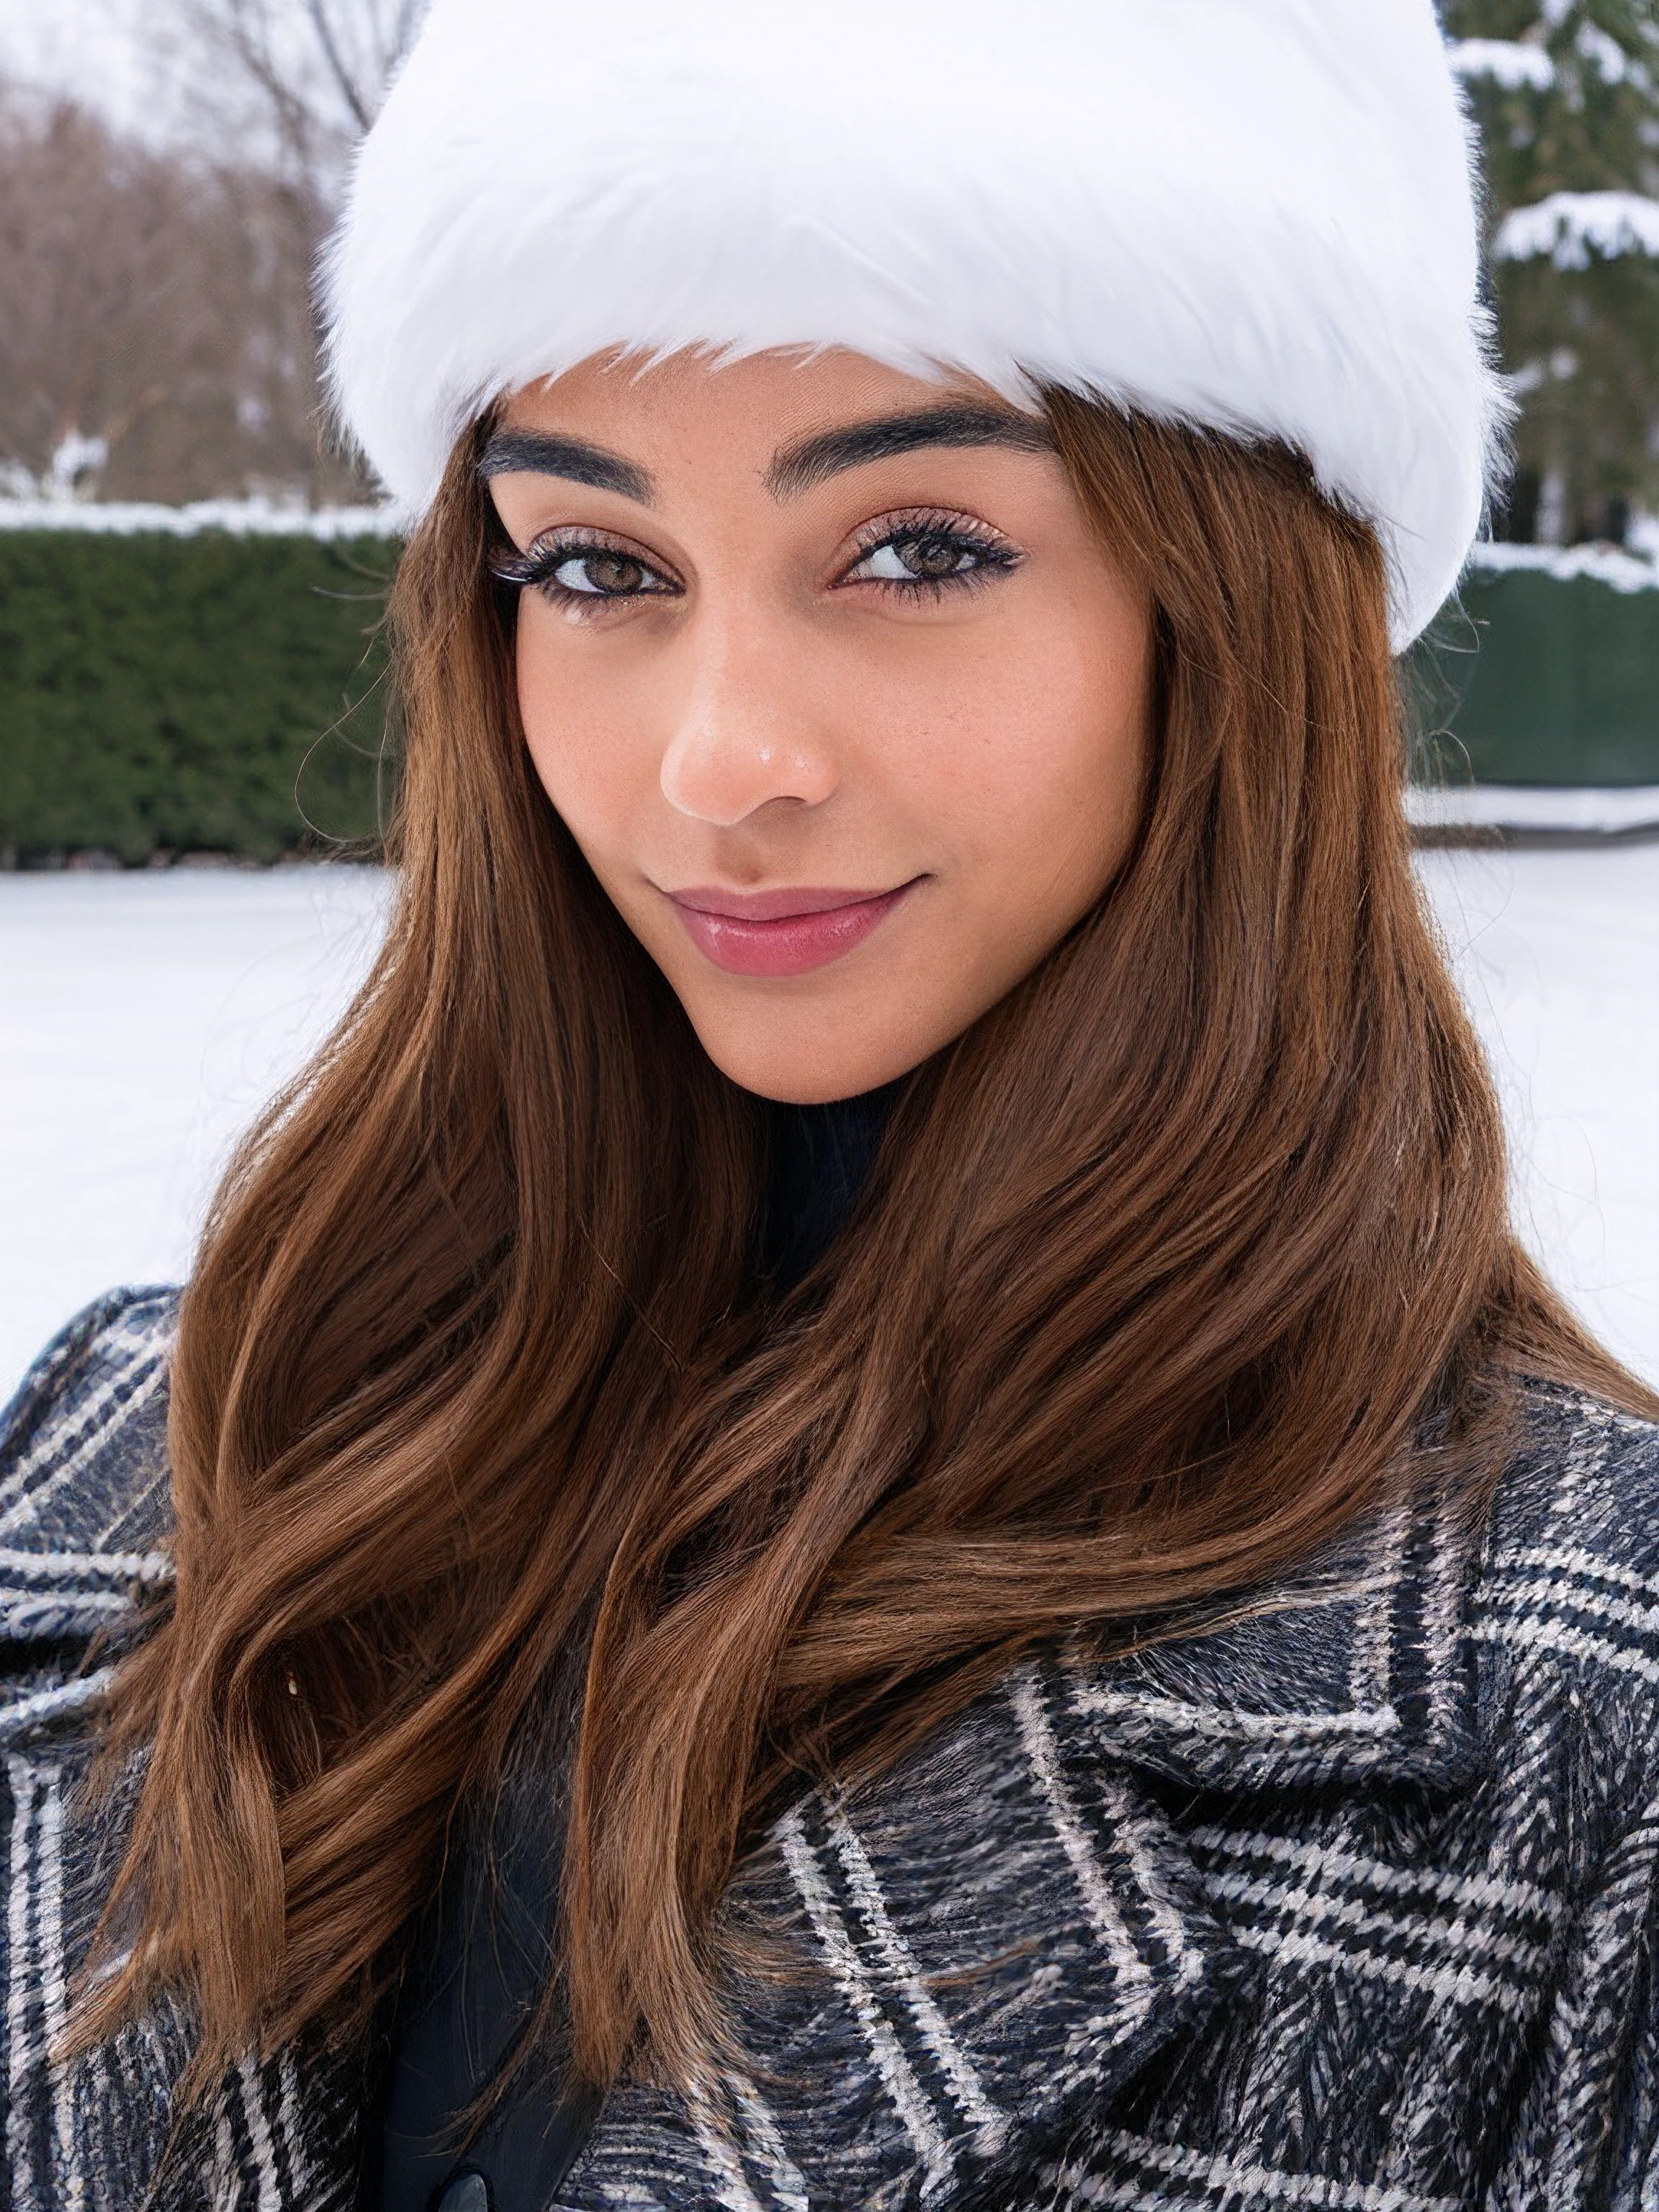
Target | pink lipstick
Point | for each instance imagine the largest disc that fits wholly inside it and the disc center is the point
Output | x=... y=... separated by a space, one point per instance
x=781 y=932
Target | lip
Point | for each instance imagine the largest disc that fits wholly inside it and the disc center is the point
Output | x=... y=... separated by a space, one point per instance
x=788 y=932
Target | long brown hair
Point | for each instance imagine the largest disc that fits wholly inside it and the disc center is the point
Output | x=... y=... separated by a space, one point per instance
x=1163 y=1268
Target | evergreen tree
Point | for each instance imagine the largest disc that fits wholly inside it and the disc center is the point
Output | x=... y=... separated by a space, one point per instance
x=1566 y=92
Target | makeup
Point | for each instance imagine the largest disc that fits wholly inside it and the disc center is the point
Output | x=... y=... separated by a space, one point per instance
x=782 y=932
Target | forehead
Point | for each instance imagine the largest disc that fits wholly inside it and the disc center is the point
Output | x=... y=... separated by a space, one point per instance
x=764 y=399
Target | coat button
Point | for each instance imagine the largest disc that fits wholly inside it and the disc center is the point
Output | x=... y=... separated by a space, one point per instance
x=468 y=2192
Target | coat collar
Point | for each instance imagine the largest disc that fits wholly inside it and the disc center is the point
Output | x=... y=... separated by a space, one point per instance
x=1353 y=1667
x=1014 y=1926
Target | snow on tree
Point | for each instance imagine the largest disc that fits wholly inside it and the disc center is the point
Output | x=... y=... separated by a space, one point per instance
x=1566 y=92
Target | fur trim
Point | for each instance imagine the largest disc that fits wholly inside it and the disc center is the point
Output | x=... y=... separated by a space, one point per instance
x=1251 y=214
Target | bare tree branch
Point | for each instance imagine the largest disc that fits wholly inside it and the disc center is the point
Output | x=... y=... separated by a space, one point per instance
x=358 y=105
x=316 y=70
x=157 y=333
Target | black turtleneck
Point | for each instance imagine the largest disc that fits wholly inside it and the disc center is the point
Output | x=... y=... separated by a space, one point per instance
x=821 y=1158
x=482 y=1963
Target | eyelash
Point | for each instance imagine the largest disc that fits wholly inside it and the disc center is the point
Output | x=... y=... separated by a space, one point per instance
x=538 y=569
x=991 y=555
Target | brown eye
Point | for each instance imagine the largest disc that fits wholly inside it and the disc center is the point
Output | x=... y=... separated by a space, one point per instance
x=930 y=558
x=602 y=574
x=565 y=572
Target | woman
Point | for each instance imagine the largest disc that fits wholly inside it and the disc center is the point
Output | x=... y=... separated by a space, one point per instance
x=862 y=1502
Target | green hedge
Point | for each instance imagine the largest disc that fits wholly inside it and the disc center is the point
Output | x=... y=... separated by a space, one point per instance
x=1533 y=680
x=208 y=693
x=222 y=693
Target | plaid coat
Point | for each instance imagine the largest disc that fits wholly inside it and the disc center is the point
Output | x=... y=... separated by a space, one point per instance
x=1348 y=1906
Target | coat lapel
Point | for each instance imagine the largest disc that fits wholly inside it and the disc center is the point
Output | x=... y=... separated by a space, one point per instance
x=1000 y=1933
x=986 y=1940
x=1356 y=1666
x=1004 y=1935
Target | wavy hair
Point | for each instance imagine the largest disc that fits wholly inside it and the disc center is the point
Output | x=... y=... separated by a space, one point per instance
x=1165 y=1268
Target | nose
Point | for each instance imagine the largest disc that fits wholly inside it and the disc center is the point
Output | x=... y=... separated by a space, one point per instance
x=742 y=740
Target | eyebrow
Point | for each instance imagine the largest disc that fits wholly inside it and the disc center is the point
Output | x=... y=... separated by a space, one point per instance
x=795 y=469
x=798 y=468
x=540 y=452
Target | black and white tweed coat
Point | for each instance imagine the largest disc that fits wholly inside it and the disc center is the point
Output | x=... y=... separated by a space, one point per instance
x=1348 y=1906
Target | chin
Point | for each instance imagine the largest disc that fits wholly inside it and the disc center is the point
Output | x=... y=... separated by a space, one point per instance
x=808 y=1070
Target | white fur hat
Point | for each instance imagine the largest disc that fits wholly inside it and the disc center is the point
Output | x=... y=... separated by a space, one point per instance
x=1251 y=214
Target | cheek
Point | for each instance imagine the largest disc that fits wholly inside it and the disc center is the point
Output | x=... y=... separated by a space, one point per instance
x=1032 y=760
x=576 y=722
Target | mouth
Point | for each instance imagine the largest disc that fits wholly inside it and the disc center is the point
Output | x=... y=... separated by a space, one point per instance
x=782 y=932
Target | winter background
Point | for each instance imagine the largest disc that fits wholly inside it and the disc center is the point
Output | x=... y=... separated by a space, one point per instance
x=145 y=1016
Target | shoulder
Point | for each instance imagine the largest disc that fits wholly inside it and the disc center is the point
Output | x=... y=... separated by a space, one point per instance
x=1568 y=1577
x=85 y=1516
x=85 y=1500
x=1578 y=1458
x=1440 y=1638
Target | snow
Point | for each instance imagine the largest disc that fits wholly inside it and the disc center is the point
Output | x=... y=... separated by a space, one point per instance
x=1515 y=65
x=144 y=1018
x=1608 y=57
x=239 y=518
x=1567 y=225
x=1637 y=570
x=1595 y=810
x=1603 y=564
x=1634 y=571
x=1557 y=954
x=1510 y=64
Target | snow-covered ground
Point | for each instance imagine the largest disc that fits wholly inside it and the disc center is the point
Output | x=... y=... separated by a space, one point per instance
x=144 y=1018
x=1557 y=953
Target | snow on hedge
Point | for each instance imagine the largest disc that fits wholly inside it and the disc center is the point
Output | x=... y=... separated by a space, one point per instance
x=1603 y=564
x=1512 y=65
x=237 y=518
x=1608 y=810
x=1567 y=226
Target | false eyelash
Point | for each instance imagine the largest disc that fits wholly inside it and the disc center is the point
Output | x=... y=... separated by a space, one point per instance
x=930 y=522
x=508 y=566
x=993 y=554
x=536 y=568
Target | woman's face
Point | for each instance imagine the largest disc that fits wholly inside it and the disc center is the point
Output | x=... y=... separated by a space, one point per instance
x=830 y=679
